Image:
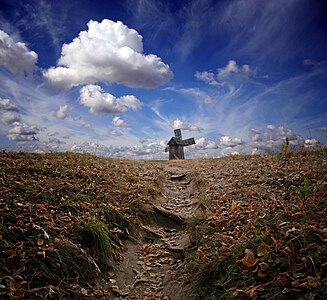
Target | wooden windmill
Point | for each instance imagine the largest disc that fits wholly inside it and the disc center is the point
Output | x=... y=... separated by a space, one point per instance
x=177 y=144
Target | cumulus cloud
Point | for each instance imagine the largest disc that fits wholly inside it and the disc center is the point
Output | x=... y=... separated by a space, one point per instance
x=10 y=117
x=143 y=151
x=15 y=56
x=222 y=73
x=203 y=143
x=179 y=124
x=229 y=142
x=232 y=67
x=6 y=104
x=99 y=102
x=21 y=132
x=310 y=143
x=61 y=113
x=109 y=52
x=207 y=77
x=272 y=139
x=118 y=122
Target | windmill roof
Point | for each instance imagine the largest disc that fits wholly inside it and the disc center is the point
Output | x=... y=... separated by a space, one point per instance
x=175 y=141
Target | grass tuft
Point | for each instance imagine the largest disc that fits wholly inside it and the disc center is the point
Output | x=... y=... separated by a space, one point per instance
x=95 y=236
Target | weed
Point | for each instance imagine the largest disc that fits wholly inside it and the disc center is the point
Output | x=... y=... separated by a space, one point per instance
x=212 y=278
x=116 y=217
x=197 y=180
x=305 y=188
x=66 y=263
x=195 y=226
x=95 y=236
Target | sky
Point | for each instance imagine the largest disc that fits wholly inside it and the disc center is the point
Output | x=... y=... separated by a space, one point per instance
x=116 y=77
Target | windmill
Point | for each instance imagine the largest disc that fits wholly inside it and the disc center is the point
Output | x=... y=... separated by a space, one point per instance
x=177 y=144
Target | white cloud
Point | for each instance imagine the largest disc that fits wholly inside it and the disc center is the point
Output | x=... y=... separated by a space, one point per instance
x=323 y=128
x=61 y=113
x=309 y=143
x=231 y=67
x=309 y=62
x=229 y=142
x=179 y=124
x=15 y=56
x=6 y=104
x=98 y=101
x=115 y=132
x=144 y=151
x=10 y=117
x=222 y=73
x=194 y=92
x=203 y=143
x=21 y=132
x=207 y=77
x=273 y=138
x=118 y=122
x=108 y=52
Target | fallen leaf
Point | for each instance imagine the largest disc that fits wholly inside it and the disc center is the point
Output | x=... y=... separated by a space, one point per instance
x=262 y=274
x=233 y=206
x=249 y=259
x=84 y=291
x=262 y=249
x=276 y=242
x=166 y=254
x=283 y=279
x=298 y=267
x=263 y=266
x=251 y=292
x=262 y=216
x=40 y=241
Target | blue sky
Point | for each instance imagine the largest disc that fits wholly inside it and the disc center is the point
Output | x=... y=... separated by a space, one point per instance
x=116 y=77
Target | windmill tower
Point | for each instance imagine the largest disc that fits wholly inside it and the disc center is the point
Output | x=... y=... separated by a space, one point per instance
x=176 y=145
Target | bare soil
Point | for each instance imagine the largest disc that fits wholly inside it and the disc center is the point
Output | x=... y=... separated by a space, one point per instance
x=151 y=265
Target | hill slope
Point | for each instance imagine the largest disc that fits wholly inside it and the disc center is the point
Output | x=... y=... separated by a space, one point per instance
x=80 y=226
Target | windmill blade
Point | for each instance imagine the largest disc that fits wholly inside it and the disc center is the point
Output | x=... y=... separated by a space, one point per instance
x=188 y=142
x=178 y=134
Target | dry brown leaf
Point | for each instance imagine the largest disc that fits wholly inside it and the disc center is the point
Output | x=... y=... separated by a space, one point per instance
x=262 y=249
x=233 y=206
x=283 y=279
x=263 y=266
x=40 y=241
x=249 y=259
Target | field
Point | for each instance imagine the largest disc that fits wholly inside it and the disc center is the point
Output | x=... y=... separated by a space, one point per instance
x=77 y=226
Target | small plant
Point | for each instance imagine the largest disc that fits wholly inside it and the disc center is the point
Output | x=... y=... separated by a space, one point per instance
x=197 y=180
x=305 y=188
x=116 y=217
x=95 y=236
x=67 y=263
x=285 y=146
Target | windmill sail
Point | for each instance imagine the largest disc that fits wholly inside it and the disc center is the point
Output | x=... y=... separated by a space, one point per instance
x=188 y=142
x=178 y=134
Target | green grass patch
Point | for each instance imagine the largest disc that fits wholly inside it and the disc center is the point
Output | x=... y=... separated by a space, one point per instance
x=95 y=236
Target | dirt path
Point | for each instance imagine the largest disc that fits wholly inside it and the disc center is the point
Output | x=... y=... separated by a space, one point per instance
x=150 y=267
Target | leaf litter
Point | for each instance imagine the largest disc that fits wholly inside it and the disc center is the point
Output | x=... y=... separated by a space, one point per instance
x=236 y=227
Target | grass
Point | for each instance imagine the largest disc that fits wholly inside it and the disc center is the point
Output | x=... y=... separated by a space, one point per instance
x=88 y=205
x=95 y=236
